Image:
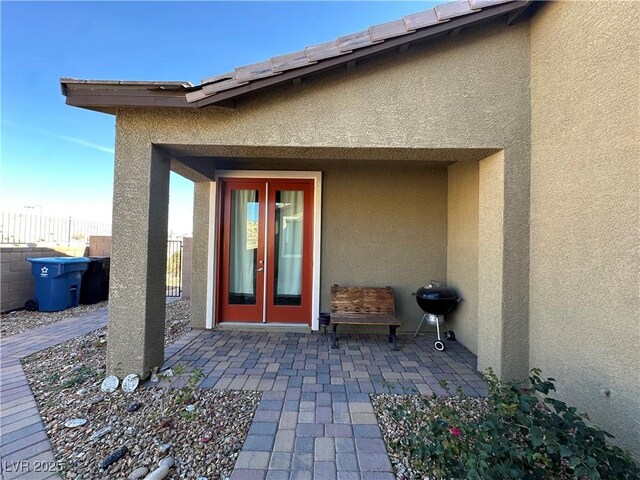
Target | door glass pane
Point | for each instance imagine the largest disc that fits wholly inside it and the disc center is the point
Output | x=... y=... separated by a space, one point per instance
x=288 y=247
x=243 y=251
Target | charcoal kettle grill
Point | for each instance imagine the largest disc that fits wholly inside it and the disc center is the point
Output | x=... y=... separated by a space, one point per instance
x=436 y=301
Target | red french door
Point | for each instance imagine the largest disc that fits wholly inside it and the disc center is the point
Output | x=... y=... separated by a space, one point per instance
x=266 y=251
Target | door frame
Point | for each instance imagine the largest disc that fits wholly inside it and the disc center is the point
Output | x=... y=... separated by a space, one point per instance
x=215 y=240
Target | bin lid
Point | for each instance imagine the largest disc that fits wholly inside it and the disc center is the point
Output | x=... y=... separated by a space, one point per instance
x=59 y=260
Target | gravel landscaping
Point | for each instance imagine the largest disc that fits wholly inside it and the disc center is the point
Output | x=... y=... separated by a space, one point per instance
x=22 y=320
x=195 y=433
x=415 y=409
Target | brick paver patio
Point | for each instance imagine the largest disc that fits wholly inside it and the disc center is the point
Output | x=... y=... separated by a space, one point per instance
x=315 y=420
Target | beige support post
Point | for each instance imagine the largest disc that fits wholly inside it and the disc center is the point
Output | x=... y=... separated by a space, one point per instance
x=503 y=272
x=138 y=259
x=200 y=285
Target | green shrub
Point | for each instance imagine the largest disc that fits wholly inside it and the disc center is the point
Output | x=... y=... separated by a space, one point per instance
x=522 y=434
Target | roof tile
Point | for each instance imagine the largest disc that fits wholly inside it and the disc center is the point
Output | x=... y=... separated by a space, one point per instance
x=289 y=61
x=323 y=50
x=477 y=4
x=223 y=85
x=254 y=71
x=196 y=95
x=453 y=9
x=422 y=19
x=388 y=30
x=354 y=40
x=217 y=78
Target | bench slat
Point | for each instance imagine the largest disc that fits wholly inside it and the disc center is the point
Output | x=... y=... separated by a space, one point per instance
x=362 y=300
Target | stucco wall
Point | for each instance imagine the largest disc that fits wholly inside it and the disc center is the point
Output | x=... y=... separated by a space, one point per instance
x=384 y=233
x=585 y=182
x=461 y=92
x=462 y=249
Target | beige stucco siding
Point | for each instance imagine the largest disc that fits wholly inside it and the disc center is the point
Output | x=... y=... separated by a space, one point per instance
x=585 y=226
x=469 y=91
x=462 y=249
x=379 y=233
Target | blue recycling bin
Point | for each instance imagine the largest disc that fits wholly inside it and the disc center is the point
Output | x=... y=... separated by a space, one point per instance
x=58 y=281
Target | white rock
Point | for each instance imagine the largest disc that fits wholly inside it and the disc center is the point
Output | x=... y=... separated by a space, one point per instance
x=130 y=383
x=190 y=408
x=100 y=433
x=164 y=448
x=167 y=462
x=138 y=473
x=154 y=378
x=158 y=474
x=75 y=422
x=82 y=391
x=110 y=384
x=167 y=373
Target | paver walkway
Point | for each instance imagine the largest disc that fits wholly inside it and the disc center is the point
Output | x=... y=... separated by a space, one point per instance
x=25 y=449
x=316 y=420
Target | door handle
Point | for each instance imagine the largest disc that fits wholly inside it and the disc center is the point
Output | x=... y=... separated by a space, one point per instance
x=259 y=269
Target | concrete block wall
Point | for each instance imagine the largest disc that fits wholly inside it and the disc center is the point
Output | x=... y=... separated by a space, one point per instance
x=100 y=245
x=187 y=263
x=16 y=281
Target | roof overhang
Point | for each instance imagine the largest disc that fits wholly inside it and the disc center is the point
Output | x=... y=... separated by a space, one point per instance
x=108 y=95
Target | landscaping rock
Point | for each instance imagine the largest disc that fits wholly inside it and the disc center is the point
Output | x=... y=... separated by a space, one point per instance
x=110 y=384
x=158 y=474
x=75 y=422
x=167 y=462
x=113 y=457
x=138 y=473
x=100 y=433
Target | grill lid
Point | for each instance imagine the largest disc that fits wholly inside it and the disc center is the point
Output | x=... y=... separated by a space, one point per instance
x=432 y=292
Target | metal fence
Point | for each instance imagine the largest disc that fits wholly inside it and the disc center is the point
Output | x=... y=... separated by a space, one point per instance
x=174 y=268
x=28 y=228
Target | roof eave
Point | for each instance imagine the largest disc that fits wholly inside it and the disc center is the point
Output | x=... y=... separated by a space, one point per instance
x=108 y=95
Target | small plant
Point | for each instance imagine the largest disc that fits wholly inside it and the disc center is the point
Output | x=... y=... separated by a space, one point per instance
x=522 y=434
x=186 y=393
x=189 y=416
x=179 y=369
x=384 y=383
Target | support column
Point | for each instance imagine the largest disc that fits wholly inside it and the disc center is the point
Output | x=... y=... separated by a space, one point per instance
x=138 y=259
x=503 y=268
x=202 y=286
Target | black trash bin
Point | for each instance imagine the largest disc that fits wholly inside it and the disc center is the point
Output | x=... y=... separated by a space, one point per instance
x=95 y=281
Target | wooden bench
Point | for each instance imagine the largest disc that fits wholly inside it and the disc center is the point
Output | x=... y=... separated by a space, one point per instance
x=364 y=306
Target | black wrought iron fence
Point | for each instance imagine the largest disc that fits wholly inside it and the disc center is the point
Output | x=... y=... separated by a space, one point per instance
x=174 y=268
x=28 y=228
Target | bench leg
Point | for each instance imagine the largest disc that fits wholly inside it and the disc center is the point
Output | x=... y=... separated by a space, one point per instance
x=393 y=338
x=334 y=337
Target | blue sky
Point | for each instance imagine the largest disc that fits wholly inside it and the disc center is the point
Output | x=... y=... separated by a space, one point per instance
x=59 y=159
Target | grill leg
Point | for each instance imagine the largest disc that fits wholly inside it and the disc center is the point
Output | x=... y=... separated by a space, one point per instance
x=393 y=338
x=334 y=337
x=418 y=329
x=438 y=327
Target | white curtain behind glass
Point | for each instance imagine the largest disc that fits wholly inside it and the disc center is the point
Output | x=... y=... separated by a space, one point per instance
x=290 y=221
x=244 y=241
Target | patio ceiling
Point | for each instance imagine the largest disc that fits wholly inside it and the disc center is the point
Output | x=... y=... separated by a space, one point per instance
x=195 y=161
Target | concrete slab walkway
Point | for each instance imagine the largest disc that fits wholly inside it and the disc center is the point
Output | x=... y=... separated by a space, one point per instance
x=316 y=420
x=25 y=450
